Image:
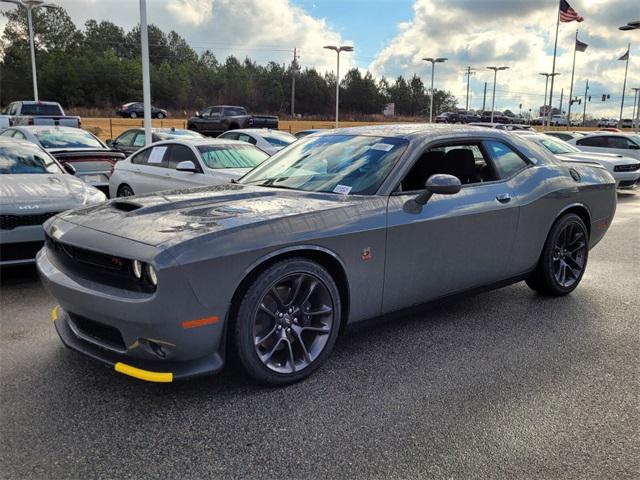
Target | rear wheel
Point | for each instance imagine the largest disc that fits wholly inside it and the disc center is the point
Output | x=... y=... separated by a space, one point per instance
x=563 y=259
x=160 y=115
x=133 y=115
x=125 y=191
x=288 y=322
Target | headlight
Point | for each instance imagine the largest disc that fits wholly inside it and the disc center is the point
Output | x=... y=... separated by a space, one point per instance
x=153 y=276
x=93 y=196
x=136 y=266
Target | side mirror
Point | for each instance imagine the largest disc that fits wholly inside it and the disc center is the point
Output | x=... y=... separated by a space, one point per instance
x=110 y=143
x=70 y=169
x=441 y=184
x=198 y=114
x=186 y=166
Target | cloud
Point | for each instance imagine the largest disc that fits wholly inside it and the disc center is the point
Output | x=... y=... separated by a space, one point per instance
x=518 y=34
x=194 y=12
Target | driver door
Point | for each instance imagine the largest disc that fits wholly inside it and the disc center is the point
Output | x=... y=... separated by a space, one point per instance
x=456 y=242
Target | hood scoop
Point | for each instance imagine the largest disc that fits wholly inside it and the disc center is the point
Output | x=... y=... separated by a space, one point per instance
x=125 y=206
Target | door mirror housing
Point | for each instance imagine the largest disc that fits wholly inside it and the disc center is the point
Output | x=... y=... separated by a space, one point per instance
x=70 y=169
x=441 y=184
x=186 y=166
x=198 y=114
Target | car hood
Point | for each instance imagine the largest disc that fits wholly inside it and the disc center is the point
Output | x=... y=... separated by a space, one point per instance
x=171 y=217
x=42 y=192
x=608 y=158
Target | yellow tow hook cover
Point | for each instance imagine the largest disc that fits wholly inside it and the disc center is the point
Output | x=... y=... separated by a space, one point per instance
x=140 y=374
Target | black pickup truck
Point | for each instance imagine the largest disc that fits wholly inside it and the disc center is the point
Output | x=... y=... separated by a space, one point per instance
x=220 y=118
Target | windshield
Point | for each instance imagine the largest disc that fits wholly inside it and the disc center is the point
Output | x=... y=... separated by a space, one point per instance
x=15 y=159
x=343 y=164
x=279 y=139
x=76 y=138
x=169 y=134
x=557 y=147
x=231 y=156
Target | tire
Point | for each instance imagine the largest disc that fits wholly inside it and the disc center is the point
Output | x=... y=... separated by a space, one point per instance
x=133 y=115
x=564 y=258
x=294 y=343
x=160 y=116
x=124 y=190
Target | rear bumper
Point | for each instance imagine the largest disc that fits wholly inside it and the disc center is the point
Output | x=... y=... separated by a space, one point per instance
x=148 y=370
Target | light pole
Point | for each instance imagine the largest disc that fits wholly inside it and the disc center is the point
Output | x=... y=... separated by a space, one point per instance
x=546 y=84
x=636 y=110
x=146 y=82
x=433 y=67
x=338 y=49
x=31 y=5
x=495 y=76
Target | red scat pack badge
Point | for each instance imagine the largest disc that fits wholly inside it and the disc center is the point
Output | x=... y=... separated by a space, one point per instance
x=366 y=254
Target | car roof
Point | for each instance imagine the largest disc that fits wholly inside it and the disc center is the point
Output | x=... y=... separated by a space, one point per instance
x=256 y=130
x=195 y=142
x=416 y=130
x=38 y=102
x=42 y=128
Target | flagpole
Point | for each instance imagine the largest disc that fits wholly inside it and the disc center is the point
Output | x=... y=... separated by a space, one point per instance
x=624 y=85
x=553 y=69
x=573 y=69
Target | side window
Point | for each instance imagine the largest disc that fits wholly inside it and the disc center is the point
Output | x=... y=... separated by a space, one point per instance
x=126 y=138
x=139 y=140
x=7 y=133
x=619 y=142
x=593 y=142
x=216 y=111
x=506 y=161
x=13 y=109
x=19 y=135
x=177 y=154
x=142 y=157
x=465 y=161
x=206 y=113
x=243 y=137
x=230 y=136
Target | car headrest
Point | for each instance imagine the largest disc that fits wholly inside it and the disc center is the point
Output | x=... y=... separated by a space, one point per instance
x=460 y=163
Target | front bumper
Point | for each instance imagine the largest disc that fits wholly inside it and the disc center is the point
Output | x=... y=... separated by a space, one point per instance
x=626 y=179
x=168 y=331
x=148 y=370
x=20 y=245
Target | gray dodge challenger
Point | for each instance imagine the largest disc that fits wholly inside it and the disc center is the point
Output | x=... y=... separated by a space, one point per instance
x=339 y=227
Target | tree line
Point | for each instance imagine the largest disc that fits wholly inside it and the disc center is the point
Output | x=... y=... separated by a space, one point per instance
x=99 y=66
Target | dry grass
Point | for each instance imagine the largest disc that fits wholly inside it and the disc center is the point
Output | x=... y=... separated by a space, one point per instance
x=112 y=127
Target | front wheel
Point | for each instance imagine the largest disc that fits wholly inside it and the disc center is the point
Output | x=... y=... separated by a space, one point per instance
x=133 y=115
x=125 y=191
x=563 y=259
x=288 y=322
x=160 y=116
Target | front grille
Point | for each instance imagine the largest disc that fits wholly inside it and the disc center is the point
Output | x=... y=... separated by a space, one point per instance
x=9 y=222
x=19 y=251
x=101 y=333
x=626 y=168
x=626 y=183
x=95 y=266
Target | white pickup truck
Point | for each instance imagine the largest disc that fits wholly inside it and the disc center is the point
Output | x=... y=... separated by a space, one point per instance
x=36 y=113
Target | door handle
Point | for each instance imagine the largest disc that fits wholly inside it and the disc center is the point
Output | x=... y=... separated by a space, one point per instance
x=503 y=197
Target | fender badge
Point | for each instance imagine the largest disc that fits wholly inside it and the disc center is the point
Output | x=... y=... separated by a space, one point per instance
x=366 y=254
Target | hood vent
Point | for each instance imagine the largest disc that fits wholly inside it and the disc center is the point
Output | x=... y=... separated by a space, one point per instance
x=125 y=206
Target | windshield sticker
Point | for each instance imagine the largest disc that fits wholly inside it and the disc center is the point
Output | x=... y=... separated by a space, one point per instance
x=385 y=147
x=342 y=189
x=156 y=155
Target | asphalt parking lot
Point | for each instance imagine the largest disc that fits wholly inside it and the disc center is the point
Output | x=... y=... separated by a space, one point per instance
x=506 y=384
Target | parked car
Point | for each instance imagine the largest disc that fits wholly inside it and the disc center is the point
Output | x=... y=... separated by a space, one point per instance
x=519 y=126
x=39 y=113
x=304 y=133
x=607 y=122
x=136 y=109
x=271 y=141
x=92 y=160
x=220 y=118
x=468 y=117
x=449 y=117
x=189 y=162
x=498 y=117
x=624 y=144
x=337 y=228
x=565 y=135
x=625 y=170
x=132 y=140
x=558 y=121
x=33 y=188
x=627 y=123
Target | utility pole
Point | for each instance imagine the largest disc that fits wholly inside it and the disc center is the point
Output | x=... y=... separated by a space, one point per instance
x=468 y=73
x=634 y=115
x=294 y=71
x=484 y=96
x=561 y=95
x=584 y=111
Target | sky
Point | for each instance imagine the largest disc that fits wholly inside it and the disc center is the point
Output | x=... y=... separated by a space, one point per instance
x=392 y=36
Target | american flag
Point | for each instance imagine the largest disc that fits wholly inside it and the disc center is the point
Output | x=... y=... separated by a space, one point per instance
x=568 y=14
